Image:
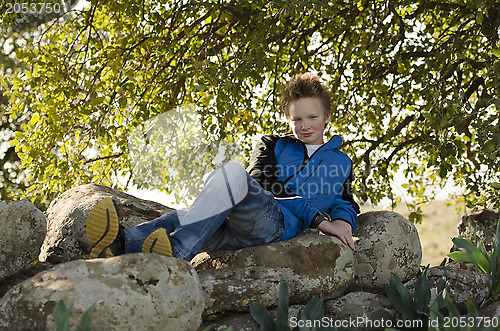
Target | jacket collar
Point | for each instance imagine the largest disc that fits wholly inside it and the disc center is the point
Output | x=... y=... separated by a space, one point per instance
x=334 y=142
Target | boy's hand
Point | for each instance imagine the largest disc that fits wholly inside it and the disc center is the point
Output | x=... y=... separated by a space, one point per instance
x=339 y=228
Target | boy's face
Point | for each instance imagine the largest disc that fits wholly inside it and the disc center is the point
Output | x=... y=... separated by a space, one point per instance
x=307 y=120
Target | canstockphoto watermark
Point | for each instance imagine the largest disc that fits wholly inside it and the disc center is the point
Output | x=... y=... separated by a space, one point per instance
x=365 y=322
x=354 y=323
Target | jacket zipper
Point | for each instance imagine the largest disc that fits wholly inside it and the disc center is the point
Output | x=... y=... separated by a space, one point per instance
x=305 y=161
x=314 y=170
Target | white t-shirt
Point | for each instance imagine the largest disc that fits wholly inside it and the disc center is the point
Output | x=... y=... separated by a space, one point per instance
x=312 y=148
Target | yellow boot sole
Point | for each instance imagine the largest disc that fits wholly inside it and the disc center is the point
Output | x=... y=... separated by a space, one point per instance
x=102 y=227
x=157 y=242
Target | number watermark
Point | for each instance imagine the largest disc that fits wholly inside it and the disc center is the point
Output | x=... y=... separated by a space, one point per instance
x=466 y=321
x=38 y=8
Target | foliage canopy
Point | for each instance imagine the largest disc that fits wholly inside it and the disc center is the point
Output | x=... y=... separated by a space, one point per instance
x=416 y=85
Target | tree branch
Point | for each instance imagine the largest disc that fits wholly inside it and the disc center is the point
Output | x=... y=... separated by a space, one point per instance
x=103 y=158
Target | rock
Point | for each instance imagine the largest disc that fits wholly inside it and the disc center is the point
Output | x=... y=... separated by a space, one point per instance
x=9 y=282
x=492 y=311
x=66 y=238
x=233 y=279
x=245 y=322
x=468 y=266
x=362 y=307
x=387 y=243
x=131 y=292
x=464 y=285
x=22 y=229
x=483 y=225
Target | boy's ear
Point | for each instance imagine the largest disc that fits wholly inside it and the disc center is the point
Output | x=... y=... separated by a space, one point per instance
x=328 y=118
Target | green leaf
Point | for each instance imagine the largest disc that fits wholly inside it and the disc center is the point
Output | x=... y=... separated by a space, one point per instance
x=122 y=101
x=400 y=298
x=471 y=309
x=360 y=5
x=261 y=316
x=61 y=316
x=422 y=295
x=436 y=319
x=480 y=246
x=314 y=309
x=460 y=256
x=97 y=101
x=84 y=324
x=495 y=265
x=480 y=17
x=282 y=312
x=452 y=309
x=442 y=292
x=476 y=257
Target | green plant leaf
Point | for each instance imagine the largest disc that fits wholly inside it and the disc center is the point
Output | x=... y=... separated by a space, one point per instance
x=261 y=316
x=282 y=312
x=476 y=257
x=314 y=309
x=471 y=309
x=495 y=265
x=436 y=319
x=480 y=246
x=422 y=295
x=460 y=256
x=452 y=309
x=61 y=316
x=84 y=324
x=400 y=298
x=442 y=293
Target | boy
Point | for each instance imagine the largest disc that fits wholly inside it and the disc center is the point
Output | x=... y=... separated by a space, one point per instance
x=294 y=182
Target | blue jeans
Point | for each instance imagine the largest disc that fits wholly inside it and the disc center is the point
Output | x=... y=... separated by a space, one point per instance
x=231 y=212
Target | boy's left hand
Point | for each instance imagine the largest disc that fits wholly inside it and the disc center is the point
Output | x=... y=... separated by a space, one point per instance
x=340 y=229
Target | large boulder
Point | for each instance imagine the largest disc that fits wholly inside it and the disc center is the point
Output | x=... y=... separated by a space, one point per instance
x=7 y=283
x=388 y=243
x=312 y=264
x=362 y=308
x=131 y=292
x=66 y=238
x=22 y=230
x=482 y=225
x=464 y=285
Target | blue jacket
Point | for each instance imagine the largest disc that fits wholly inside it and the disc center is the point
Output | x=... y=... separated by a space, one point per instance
x=303 y=186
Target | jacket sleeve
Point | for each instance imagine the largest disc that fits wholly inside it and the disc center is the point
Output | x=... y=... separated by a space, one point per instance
x=264 y=169
x=347 y=209
x=300 y=208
